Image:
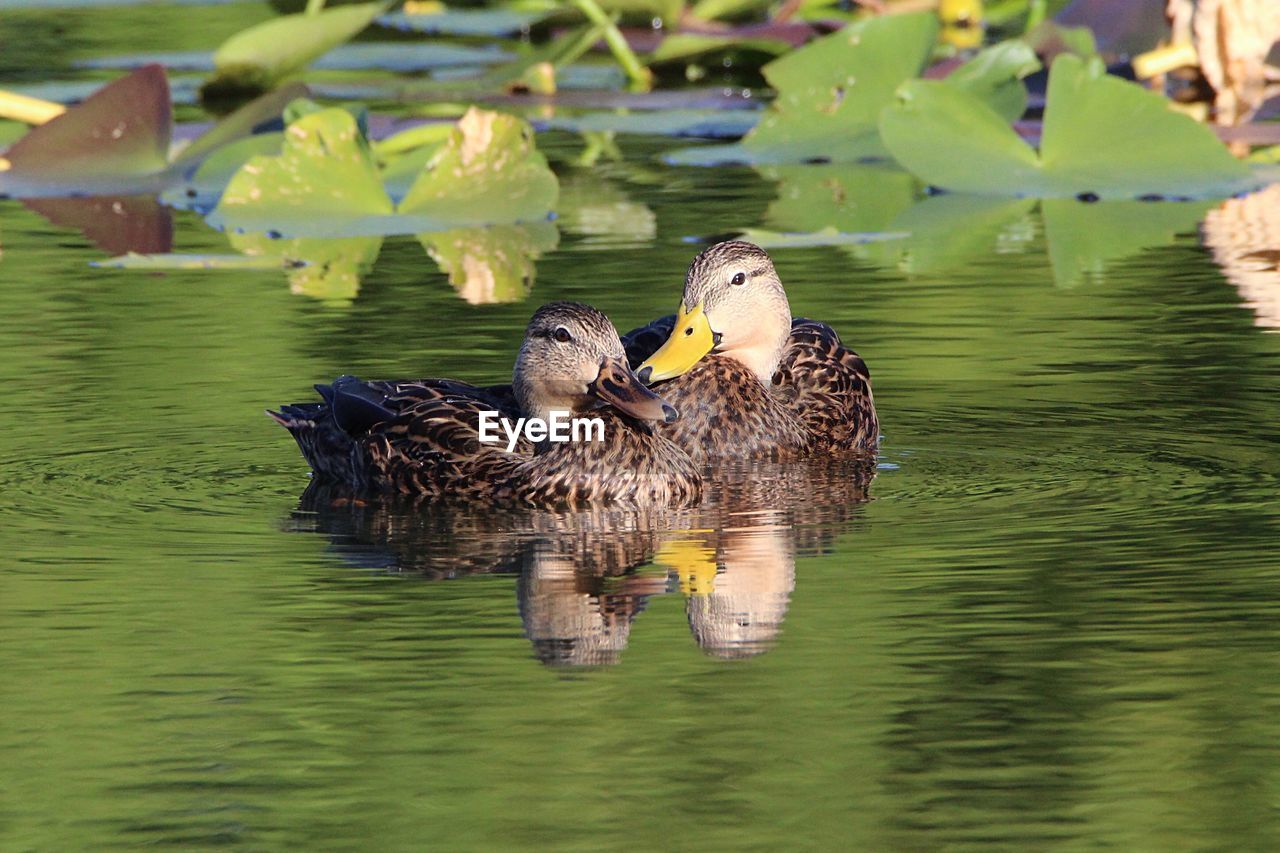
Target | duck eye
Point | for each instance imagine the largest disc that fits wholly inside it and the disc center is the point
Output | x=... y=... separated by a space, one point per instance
x=738 y=278
x=562 y=335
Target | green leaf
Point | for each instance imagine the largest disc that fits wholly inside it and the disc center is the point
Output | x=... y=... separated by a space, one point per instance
x=202 y=189
x=830 y=94
x=491 y=265
x=1102 y=137
x=262 y=55
x=995 y=76
x=488 y=172
x=324 y=174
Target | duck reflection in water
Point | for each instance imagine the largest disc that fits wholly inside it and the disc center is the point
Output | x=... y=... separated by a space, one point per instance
x=584 y=577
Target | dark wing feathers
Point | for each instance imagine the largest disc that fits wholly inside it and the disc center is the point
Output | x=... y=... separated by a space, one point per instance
x=643 y=342
x=419 y=436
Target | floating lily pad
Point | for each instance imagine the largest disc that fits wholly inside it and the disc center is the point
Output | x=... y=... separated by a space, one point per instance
x=830 y=93
x=995 y=76
x=325 y=181
x=203 y=189
x=465 y=22
x=489 y=171
x=494 y=264
x=1103 y=138
x=325 y=175
x=261 y=56
x=710 y=124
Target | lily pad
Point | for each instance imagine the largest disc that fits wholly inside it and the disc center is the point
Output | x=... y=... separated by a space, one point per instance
x=995 y=77
x=489 y=171
x=830 y=94
x=711 y=124
x=1103 y=138
x=325 y=181
x=261 y=56
x=203 y=189
x=465 y=22
x=491 y=265
x=390 y=56
x=325 y=174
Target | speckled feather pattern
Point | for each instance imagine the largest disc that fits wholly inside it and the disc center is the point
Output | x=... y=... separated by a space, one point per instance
x=820 y=401
x=431 y=448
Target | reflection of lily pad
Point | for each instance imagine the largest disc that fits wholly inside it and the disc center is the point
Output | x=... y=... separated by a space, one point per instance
x=326 y=269
x=489 y=171
x=603 y=214
x=821 y=205
x=1083 y=238
x=1103 y=137
x=494 y=264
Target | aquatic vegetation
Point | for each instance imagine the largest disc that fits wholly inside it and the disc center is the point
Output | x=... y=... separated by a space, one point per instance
x=832 y=91
x=118 y=141
x=258 y=58
x=1103 y=138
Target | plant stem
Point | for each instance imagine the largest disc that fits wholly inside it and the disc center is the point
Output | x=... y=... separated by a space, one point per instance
x=640 y=76
x=314 y=7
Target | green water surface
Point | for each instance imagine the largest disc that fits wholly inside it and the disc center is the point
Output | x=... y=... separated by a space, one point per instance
x=1049 y=621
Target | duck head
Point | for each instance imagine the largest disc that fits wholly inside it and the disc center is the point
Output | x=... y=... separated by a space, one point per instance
x=572 y=360
x=734 y=305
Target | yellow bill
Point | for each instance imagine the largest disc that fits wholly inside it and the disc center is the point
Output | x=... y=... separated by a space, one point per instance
x=690 y=340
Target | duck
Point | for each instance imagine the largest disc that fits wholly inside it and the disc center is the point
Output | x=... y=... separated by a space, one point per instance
x=424 y=438
x=750 y=380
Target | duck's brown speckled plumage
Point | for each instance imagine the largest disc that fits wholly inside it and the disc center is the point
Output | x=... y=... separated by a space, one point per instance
x=422 y=438
x=818 y=401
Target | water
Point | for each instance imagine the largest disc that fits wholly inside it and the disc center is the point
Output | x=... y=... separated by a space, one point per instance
x=1050 y=619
